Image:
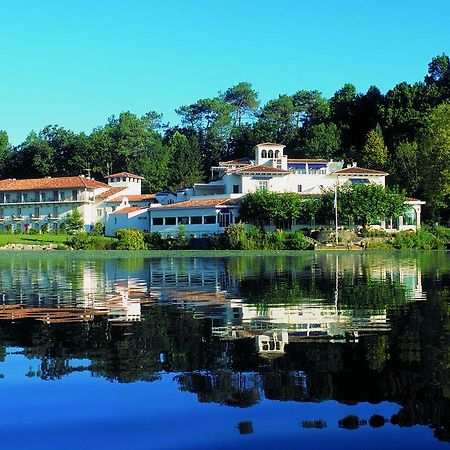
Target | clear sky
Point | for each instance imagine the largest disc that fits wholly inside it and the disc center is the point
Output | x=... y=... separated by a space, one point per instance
x=75 y=63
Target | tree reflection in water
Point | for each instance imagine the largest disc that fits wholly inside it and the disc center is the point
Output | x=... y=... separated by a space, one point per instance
x=407 y=361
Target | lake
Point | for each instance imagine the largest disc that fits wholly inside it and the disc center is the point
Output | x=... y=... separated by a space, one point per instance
x=346 y=350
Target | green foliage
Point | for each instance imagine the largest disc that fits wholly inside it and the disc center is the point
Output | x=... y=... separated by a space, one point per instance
x=181 y=239
x=98 y=229
x=154 y=241
x=374 y=152
x=420 y=240
x=298 y=241
x=130 y=239
x=74 y=222
x=85 y=241
x=185 y=169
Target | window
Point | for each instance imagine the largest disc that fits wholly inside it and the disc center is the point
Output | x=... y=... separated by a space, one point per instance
x=99 y=212
x=74 y=195
x=196 y=220
x=359 y=180
x=183 y=220
x=43 y=196
x=209 y=219
x=270 y=154
x=277 y=153
x=2 y=212
x=236 y=189
x=171 y=220
x=263 y=185
x=37 y=212
x=264 y=154
x=115 y=220
x=299 y=188
x=7 y=198
x=25 y=197
x=62 y=195
x=157 y=221
x=410 y=217
x=55 y=211
x=55 y=196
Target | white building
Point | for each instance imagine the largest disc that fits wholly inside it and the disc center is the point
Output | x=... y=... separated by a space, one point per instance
x=45 y=203
x=209 y=208
x=204 y=209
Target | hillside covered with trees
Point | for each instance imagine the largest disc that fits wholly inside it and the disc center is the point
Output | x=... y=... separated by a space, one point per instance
x=405 y=131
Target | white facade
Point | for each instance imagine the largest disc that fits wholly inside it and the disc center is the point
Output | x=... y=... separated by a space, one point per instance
x=45 y=203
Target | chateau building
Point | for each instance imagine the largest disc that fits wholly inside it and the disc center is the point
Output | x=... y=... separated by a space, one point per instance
x=45 y=203
x=209 y=208
x=204 y=208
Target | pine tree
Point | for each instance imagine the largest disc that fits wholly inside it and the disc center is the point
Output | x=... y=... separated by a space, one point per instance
x=185 y=169
x=374 y=152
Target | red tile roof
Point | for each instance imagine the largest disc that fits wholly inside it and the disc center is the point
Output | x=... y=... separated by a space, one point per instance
x=359 y=171
x=124 y=174
x=133 y=198
x=235 y=162
x=110 y=192
x=12 y=184
x=261 y=169
x=203 y=203
x=270 y=143
x=130 y=209
x=307 y=160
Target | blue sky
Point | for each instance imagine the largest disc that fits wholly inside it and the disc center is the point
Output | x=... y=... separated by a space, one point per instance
x=75 y=63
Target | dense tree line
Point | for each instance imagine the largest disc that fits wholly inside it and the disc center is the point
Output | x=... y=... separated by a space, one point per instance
x=405 y=131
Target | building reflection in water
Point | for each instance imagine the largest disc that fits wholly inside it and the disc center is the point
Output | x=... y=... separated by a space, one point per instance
x=242 y=296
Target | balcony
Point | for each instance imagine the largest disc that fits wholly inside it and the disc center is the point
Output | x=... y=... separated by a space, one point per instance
x=53 y=217
x=18 y=217
x=52 y=200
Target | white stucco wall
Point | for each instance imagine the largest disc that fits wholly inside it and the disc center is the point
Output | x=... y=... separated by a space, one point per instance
x=137 y=220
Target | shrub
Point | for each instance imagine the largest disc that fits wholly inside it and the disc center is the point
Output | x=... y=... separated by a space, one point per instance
x=273 y=240
x=299 y=242
x=154 y=241
x=181 y=239
x=74 y=222
x=98 y=229
x=33 y=231
x=420 y=240
x=130 y=239
x=85 y=241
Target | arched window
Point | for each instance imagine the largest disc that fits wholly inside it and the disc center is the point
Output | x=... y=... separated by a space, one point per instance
x=277 y=154
x=264 y=154
x=270 y=154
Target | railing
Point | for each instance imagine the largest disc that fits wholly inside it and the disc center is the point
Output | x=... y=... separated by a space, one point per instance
x=81 y=198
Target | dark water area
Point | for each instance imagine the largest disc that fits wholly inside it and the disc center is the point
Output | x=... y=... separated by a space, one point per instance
x=324 y=349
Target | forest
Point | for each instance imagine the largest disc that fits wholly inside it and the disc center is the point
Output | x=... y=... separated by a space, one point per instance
x=405 y=131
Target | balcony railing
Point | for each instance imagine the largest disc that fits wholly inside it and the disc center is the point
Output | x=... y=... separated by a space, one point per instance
x=80 y=198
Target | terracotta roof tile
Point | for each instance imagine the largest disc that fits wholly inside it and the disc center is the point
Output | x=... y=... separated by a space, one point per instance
x=203 y=203
x=306 y=160
x=359 y=171
x=270 y=143
x=235 y=162
x=133 y=198
x=110 y=192
x=50 y=183
x=260 y=169
x=130 y=209
x=124 y=174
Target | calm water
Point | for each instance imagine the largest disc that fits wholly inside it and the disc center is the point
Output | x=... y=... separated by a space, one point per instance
x=161 y=353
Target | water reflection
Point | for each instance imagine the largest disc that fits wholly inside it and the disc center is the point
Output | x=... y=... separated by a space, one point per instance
x=361 y=328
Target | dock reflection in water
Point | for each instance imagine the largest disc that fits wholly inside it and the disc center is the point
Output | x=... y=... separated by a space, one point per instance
x=367 y=330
